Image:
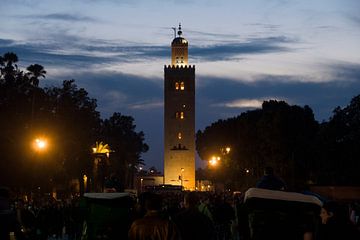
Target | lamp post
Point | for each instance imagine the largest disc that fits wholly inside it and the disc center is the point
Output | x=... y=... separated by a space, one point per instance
x=181 y=177
x=101 y=152
x=39 y=145
x=221 y=160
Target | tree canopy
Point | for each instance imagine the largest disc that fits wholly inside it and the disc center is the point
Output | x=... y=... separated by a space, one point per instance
x=287 y=138
x=68 y=117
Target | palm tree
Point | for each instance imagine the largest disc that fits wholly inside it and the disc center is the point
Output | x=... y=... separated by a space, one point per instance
x=9 y=70
x=35 y=71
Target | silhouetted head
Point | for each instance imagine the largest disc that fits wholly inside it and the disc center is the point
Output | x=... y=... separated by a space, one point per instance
x=191 y=200
x=268 y=171
x=153 y=201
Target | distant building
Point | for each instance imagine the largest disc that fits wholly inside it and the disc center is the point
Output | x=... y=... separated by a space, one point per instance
x=179 y=117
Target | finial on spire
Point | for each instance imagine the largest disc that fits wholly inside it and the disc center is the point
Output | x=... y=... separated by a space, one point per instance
x=179 y=32
x=174 y=28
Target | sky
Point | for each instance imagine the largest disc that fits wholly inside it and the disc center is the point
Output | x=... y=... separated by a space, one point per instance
x=305 y=52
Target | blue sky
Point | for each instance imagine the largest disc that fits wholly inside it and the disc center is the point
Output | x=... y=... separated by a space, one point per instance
x=305 y=52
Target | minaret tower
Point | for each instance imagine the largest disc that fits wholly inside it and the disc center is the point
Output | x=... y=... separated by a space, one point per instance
x=179 y=117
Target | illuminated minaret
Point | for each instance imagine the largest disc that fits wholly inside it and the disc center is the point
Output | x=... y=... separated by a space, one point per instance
x=179 y=116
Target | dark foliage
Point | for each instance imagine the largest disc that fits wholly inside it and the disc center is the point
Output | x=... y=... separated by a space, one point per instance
x=288 y=138
x=67 y=116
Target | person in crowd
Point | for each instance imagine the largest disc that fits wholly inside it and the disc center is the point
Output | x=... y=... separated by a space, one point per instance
x=8 y=222
x=335 y=223
x=153 y=225
x=204 y=207
x=270 y=181
x=26 y=218
x=191 y=222
x=223 y=215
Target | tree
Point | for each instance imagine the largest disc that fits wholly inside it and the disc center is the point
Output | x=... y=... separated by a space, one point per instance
x=277 y=135
x=72 y=116
x=128 y=145
x=9 y=67
x=34 y=72
x=339 y=146
x=68 y=116
x=15 y=95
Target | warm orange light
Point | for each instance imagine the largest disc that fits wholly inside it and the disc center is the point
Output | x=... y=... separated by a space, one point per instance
x=212 y=162
x=227 y=149
x=40 y=144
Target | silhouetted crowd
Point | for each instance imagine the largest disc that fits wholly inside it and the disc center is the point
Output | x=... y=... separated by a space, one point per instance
x=165 y=215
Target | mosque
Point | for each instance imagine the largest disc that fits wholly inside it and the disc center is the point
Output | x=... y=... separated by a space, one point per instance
x=179 y=116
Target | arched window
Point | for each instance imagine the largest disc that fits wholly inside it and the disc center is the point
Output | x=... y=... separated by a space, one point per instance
x=182 y=86
x=179 y=135
x=177 y=86
x=180 y=115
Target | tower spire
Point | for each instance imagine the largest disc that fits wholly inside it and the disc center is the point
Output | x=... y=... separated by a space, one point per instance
x=179 y=32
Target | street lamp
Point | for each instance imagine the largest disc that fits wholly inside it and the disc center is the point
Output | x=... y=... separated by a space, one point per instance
x=181 y=177
x=99 y=151
x=227 y=150
x=40 y=144
x=214 y=160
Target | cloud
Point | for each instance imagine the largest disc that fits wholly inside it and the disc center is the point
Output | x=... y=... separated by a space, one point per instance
x=348 y=72
x=244 y=103
x=223 y=98
x=63 y=17
x=147 y=105
x=74 y=52
x=230 y=50
x=6 y=42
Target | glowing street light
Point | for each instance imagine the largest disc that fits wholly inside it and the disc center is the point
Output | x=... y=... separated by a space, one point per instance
x=214 y=160
x=40 y=144
x=227 y=149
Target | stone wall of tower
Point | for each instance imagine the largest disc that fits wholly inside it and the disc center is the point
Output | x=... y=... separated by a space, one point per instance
x=179 y=51
x=179 y=153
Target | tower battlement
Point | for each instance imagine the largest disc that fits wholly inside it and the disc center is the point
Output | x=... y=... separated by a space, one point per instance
x=179 y=66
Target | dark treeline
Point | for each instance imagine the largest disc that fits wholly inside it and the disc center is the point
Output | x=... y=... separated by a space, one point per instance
x=289 y=139
x=68 y=118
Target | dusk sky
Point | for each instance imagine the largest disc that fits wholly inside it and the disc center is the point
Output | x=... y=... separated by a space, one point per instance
x=306 y=52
